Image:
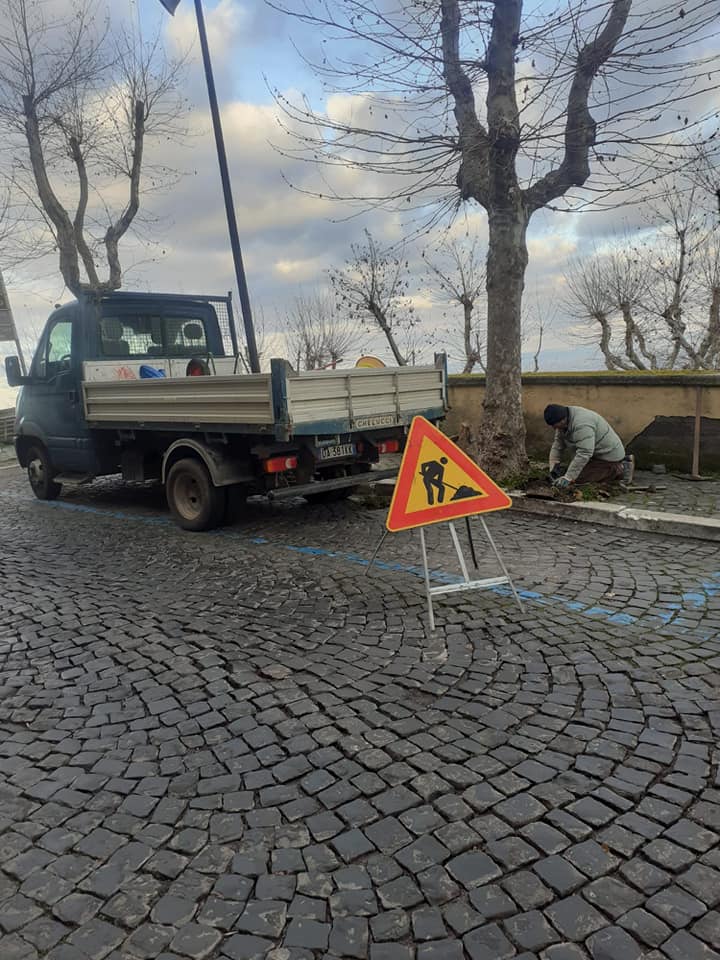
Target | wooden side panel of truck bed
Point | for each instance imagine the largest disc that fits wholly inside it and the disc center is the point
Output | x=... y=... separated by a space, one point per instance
x=364 y=396
x=332 y=401
x=197 y=400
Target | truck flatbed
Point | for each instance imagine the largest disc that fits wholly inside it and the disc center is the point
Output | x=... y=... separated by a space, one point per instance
x=281 y=403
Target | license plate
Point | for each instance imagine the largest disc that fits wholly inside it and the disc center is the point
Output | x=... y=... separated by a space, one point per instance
x=338 y=450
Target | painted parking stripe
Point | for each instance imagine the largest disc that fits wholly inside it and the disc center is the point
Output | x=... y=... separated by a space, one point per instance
x=665 y=616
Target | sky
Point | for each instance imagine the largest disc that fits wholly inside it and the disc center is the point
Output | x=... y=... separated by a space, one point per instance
x=289 y=239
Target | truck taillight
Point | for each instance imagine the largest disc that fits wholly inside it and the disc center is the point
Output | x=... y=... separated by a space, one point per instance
x=388 y=446
x=278 y=464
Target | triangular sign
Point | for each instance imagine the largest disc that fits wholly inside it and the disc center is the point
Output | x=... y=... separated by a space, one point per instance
x=438 y=482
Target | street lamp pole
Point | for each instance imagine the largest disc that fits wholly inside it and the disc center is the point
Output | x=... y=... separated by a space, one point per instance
x=171 y=5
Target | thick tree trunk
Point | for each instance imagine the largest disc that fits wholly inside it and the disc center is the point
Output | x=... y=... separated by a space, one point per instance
x=612 y=362
x=64 y=232
x=630 y=334
x=501 y=438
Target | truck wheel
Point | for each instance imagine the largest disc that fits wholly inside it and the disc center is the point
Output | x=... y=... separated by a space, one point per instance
x=40 y=474
x=195 y=503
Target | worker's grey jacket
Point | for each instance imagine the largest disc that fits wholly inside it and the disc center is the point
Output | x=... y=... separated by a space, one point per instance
x=588 y=435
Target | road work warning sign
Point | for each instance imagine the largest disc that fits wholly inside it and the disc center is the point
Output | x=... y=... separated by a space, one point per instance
x=438 y=482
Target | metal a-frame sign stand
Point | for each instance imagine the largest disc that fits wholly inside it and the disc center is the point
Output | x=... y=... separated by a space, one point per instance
x=431 y=466
x=466 y=583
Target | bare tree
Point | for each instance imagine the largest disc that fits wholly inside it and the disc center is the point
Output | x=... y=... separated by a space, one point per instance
x=459 y=271
x=538 y=319
x=84 y=102
x=708 y=351
x=538 y=351
x=318 y=336
x=269 y=343
x=374 y=286
x=681 y=235
x=541 y=99
x=661 y=292
x=589 y=295
x=612 y=289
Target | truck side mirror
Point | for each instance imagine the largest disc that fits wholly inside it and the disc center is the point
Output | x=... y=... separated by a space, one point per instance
x=13 y=372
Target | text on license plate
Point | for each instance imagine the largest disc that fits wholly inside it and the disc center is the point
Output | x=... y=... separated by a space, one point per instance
x=338 y=450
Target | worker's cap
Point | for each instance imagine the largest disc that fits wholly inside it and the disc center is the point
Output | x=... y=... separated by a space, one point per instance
x=554 y=413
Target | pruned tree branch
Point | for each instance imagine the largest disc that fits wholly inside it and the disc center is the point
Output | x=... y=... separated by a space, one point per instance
x=580 y=128
x=473 y=143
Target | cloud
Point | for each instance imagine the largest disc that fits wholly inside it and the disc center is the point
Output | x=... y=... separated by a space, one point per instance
x=225 y=25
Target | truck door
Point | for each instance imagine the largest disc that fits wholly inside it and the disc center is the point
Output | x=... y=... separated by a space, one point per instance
x=53 y=399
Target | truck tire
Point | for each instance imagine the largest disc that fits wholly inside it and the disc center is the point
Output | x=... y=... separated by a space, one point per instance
x=40 y=474
x=195 y=502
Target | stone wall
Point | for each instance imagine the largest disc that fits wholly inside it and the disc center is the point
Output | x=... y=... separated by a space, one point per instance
x=654 y=413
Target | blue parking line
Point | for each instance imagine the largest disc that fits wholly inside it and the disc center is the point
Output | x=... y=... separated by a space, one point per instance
x=664 y=616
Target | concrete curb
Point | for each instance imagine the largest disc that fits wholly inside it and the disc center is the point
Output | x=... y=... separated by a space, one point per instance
x=618 y=515
x=622 y=516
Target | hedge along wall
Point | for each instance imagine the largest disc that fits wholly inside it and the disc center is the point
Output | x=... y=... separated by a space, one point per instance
x=654 y=413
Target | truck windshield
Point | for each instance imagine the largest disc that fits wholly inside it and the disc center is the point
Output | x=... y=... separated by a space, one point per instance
x=53 y=353
x=152 y=336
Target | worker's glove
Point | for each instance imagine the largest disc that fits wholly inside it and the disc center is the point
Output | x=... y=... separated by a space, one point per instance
x=556 y=470
x=562 y=483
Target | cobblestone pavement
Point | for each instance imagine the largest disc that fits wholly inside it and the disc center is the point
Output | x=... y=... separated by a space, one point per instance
x=701 y=498
x=237 y=745
x=7 y=453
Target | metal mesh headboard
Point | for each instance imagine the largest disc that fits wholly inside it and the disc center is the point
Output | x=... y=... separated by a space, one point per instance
x=224 y=311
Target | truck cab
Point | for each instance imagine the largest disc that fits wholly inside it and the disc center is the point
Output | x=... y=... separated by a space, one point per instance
x=121 y=328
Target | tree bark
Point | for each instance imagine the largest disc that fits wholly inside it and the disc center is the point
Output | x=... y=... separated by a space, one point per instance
x=501 y=438
x=471 y=357
x=612 y=362
x=116 y=231
x=630 y=334
x=64 y=232
x=79 y=221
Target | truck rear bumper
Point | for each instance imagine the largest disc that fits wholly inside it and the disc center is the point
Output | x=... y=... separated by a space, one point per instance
x=299 y=490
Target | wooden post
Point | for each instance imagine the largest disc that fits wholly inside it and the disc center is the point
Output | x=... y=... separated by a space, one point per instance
x=696 y=432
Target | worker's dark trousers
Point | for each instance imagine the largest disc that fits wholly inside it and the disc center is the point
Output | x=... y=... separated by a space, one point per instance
x=597 y=471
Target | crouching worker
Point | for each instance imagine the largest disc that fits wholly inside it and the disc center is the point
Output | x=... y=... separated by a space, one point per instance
x=598 y=454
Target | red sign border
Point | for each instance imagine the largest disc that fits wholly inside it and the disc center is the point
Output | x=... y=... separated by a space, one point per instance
x=398 y=519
